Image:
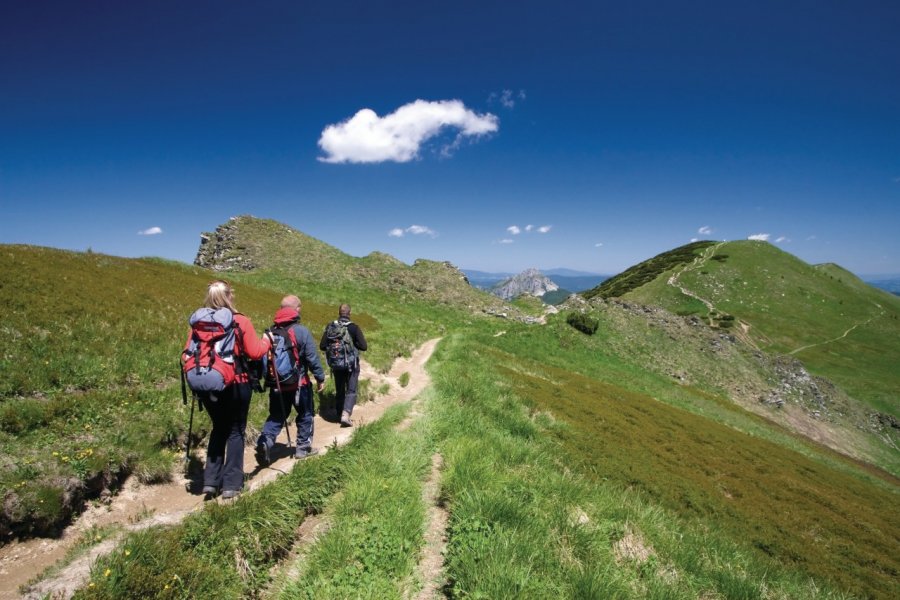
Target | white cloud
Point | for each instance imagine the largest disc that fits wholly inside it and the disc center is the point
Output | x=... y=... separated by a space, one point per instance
x=505 y=241
x=695 y=239
x=782 y=238
x=412 y=229
x=528 y=228
x=705 y=230
x=759 y=237
x=506 y=98
x=420 y=230
x=544 y=228
x=514 y=229
x=150 y=231
x=398 y=137
x=598 y=244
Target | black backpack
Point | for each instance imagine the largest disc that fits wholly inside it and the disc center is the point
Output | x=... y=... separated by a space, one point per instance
x=340 y=352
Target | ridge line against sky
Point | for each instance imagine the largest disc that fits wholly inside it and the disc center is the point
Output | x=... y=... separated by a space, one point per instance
x=586 y=134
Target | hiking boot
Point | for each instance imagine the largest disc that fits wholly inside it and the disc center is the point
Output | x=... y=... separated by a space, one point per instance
x=230 y=494
x=263 y=458
x=345 y=419
x=304 y=452
x=210 y=492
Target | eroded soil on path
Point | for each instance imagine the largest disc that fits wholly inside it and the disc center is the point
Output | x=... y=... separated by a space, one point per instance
x=139 y=506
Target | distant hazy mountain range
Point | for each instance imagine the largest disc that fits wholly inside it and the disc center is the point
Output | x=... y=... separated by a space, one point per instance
x=889 y=283
x=566 y=279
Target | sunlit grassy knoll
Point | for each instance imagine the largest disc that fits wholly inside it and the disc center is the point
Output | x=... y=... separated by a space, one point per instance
x=790 y=305
x=648 y=270
x=532 y=517
x=89 y=388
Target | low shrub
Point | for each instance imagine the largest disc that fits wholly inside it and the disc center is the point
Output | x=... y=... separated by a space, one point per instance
x=583 y=323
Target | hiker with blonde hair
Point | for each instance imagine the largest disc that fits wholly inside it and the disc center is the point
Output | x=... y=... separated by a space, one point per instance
x=228 y=406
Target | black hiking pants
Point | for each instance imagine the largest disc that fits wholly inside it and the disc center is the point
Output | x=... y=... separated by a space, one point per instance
x=345 y=383
x=225 y=452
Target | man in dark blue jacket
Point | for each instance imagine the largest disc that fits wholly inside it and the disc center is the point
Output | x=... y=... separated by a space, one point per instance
x=346 y=377
x=300 y=397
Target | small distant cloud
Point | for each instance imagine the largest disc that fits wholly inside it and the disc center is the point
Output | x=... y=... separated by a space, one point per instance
x=759 y=237
x=412 y=229
x=528 y=228
x=367 y=138
x=506 y=98
x=505 y=241
x=514 y=229
x=782 y=238
x=810 y=238
x=695 y=239
x=598 y=244
x=544 y=228
x=150 y=231
x=705 y=230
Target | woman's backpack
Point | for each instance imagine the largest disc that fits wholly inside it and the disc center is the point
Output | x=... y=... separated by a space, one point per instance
x=209 y=361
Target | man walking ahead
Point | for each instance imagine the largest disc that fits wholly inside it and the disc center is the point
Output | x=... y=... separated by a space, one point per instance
x=342 y=342
x=298 y=395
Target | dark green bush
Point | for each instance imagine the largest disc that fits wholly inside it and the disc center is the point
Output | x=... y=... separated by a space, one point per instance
x=583 y=323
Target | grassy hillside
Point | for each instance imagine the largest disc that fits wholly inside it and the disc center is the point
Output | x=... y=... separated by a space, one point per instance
x=557 y=485
x=89 y=388
x=620 y=464
x=837 y=325
x=263 y=246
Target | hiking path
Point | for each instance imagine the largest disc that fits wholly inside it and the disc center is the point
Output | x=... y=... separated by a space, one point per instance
x=137 y=506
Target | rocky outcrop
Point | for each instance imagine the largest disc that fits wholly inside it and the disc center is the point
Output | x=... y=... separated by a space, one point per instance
x=530 y=281
x=221 y=251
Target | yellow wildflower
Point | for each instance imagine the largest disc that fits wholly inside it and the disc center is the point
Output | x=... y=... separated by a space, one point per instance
x=107 y=572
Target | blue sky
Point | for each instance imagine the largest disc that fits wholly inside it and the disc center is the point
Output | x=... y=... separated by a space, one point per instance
x=614 y=130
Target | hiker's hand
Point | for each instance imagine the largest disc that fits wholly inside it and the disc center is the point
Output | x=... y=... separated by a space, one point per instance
x=320 y=386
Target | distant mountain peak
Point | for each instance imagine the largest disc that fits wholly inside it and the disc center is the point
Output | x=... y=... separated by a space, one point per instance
x=530 y=281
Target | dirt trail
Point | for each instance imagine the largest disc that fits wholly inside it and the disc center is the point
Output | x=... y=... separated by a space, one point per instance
x=140 y=506
x=840 y=337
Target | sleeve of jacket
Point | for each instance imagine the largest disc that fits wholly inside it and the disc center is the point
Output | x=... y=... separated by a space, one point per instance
x=251 y=346
x=359 y=340
x=310 y=356
x=322 y=345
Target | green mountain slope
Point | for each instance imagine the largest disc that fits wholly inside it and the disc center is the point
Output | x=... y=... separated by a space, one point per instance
x=263 y=246
x=837 y=325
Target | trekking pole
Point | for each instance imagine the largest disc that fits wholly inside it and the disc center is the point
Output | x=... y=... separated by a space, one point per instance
x=278 y=387
x=187 y=444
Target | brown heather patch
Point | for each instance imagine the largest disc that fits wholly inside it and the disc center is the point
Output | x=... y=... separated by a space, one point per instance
x=779 y=503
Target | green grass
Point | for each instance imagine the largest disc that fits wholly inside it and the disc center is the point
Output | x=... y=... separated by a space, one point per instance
x=375 y=531
x=608 y=465
x=532 y=517
x=789 y=305
x=89 y=388
x=227 y=551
